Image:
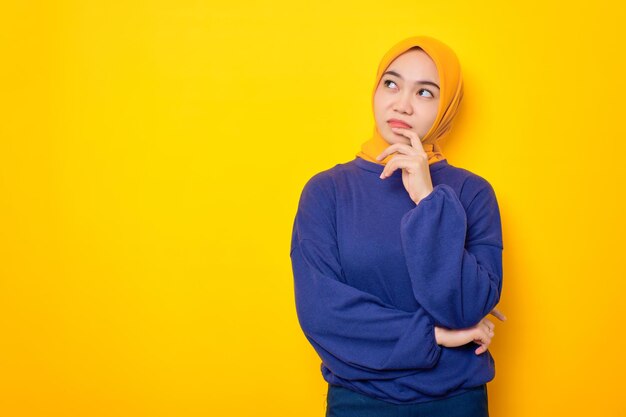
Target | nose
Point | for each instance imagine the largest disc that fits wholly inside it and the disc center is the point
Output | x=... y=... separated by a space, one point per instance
x=403 y=104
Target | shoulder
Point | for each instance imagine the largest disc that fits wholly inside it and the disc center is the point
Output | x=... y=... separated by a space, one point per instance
x=324 y=183
x=472 y=186
x=319 y=190
x=482 y=209
x=479 y=200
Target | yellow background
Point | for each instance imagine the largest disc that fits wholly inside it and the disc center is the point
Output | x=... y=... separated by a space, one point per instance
x=152 y=155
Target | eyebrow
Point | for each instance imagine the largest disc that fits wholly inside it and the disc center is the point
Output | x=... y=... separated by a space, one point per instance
x=416 y=82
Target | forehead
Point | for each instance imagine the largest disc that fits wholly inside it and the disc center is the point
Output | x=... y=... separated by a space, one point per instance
x=413 y=65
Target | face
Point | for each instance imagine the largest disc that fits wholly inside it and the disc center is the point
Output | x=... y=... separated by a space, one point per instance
x=408 y=91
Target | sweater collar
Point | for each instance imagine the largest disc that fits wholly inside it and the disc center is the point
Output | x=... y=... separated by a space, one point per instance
x=378 y=168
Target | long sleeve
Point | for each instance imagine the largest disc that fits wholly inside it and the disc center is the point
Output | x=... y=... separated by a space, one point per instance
x=356 y=334
x=454 y=256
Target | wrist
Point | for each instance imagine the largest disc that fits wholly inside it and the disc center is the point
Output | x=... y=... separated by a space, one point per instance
x=423 y=196
x=437 y=334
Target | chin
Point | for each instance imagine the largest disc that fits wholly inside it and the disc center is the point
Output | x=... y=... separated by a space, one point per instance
x=393 y=138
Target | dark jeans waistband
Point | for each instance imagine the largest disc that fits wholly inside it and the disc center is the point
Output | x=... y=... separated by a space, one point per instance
x=343 y=402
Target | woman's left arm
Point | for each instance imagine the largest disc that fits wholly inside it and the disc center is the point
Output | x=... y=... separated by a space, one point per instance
x=454 y=255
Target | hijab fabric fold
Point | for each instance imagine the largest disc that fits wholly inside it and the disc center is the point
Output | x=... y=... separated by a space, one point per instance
x=451 y=94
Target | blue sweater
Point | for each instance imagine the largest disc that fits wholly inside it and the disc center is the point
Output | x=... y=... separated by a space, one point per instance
x=374 y=273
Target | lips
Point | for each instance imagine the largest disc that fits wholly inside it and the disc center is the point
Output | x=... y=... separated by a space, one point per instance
x=398 y=123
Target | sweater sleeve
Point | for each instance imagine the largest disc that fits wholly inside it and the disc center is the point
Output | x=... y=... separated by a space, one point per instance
x=454 y=256
x=355 y=333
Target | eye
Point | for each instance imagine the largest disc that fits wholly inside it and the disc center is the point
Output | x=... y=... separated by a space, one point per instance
x=428 y=91
x=388 y=81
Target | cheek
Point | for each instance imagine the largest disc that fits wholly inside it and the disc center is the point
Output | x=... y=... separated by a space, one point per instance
x=429 y=114
x=432 y=113
x=377 y=101
x=433 y=116
x=379 y=108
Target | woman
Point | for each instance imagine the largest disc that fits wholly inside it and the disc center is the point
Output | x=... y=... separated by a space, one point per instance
x=397 y=255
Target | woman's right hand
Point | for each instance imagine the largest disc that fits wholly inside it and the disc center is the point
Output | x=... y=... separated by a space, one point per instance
x=482 y=333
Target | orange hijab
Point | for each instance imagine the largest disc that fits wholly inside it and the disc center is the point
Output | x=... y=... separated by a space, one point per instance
x=451 y=93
